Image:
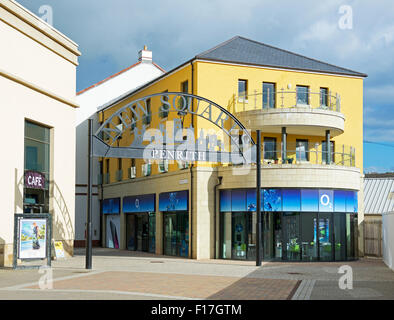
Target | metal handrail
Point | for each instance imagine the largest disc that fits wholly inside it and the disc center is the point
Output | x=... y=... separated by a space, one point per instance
x=285 y=99
x=316 y=153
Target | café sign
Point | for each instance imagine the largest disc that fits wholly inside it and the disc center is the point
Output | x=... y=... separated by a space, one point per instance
x=34 y=180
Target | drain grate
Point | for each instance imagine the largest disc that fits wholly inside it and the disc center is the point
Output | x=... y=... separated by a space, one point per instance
x=157 y=262
x=294 y=273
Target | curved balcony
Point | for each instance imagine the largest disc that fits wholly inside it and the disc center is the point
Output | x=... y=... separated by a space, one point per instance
x=307 y=113
x=300 y=166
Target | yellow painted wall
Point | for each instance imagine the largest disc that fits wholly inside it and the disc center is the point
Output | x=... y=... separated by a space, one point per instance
x=219 y=82
x=171 y=83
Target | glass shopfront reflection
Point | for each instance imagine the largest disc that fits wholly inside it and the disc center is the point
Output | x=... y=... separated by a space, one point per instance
x=176 y=234
x=325 y=236
x=308 y=236
x=238 y=235
x=297 y=225
x=296 y=236
x=140 y=232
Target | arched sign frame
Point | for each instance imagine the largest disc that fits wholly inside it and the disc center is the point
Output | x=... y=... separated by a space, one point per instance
x=99 y=148
x=138 y=151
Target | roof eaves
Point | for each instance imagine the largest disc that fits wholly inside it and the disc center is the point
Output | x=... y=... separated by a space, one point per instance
x=134 y=91
x=117 y=74
x=283 y=67
x=109 y=78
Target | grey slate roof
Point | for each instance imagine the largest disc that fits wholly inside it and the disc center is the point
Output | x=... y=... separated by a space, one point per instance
x=246 y=51
x=378 y=195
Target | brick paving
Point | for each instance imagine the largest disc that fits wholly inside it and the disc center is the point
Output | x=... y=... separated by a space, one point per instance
x=129 y=275
x=179 y=285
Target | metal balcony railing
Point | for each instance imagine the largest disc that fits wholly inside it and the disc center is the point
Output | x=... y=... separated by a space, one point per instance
x=304 y=153
x=285 y=99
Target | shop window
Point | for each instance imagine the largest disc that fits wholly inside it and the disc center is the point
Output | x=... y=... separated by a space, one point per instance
x=37 y=158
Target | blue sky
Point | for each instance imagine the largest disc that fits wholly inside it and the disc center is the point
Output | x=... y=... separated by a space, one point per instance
x=110 y=33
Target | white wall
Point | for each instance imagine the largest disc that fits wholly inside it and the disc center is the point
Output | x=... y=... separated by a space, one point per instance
x=388 y=239
x=37 y=81
x=23 y=103
x=29 y=60
x=90 y=101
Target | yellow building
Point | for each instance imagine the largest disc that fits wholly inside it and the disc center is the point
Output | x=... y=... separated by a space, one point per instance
x=206 y=210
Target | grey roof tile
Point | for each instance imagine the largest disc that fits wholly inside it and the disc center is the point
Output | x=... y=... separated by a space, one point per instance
x=246 y=51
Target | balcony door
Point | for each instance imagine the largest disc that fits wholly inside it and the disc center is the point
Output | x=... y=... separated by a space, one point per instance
x=302 y=95
x=302 y=150
x=268 y=95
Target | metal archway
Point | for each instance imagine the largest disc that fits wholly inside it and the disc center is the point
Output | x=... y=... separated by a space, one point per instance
x=100 y=148
x=183 y=104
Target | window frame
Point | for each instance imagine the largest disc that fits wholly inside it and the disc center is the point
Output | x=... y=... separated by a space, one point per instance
x=306 y=150
x=274 y=95
x=307 y=95
x=274 y=153
x=245 y=97
x=326 y=96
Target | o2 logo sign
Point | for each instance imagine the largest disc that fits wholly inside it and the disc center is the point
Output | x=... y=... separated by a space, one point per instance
x=137 y=203
x=326 y=200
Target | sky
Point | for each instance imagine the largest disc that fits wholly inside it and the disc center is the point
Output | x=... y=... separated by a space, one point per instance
x=110 y=34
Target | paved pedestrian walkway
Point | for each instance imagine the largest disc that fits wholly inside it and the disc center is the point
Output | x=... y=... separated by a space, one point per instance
x=130 y=275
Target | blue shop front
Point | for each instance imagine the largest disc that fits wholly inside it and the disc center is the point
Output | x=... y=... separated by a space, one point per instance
x=140 y=222
x=297 y=224
x=174 y=207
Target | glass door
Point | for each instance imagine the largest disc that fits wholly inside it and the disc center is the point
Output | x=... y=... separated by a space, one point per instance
x=302 y=150
x=325 y=236
x=170 y=234
x=278 y=246
x=291 y=236
x=308 y=236
x=351 y=235
x=144 y=232
x=139 y=224
x=268 y=235
x=340 y=236
x=152 y=232
x=183 y=234
x=251 y=235
x=239 y=235
x=130 y=232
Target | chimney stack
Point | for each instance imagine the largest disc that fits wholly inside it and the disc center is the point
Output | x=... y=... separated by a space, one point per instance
x=145 y=55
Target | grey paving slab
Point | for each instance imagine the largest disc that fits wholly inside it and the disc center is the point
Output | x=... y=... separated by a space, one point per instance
x=372 y=278
x=364 y=290
x=304 y=291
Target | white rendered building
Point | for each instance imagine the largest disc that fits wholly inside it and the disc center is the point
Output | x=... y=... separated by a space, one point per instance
x=37 y=84
x=90 y=100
